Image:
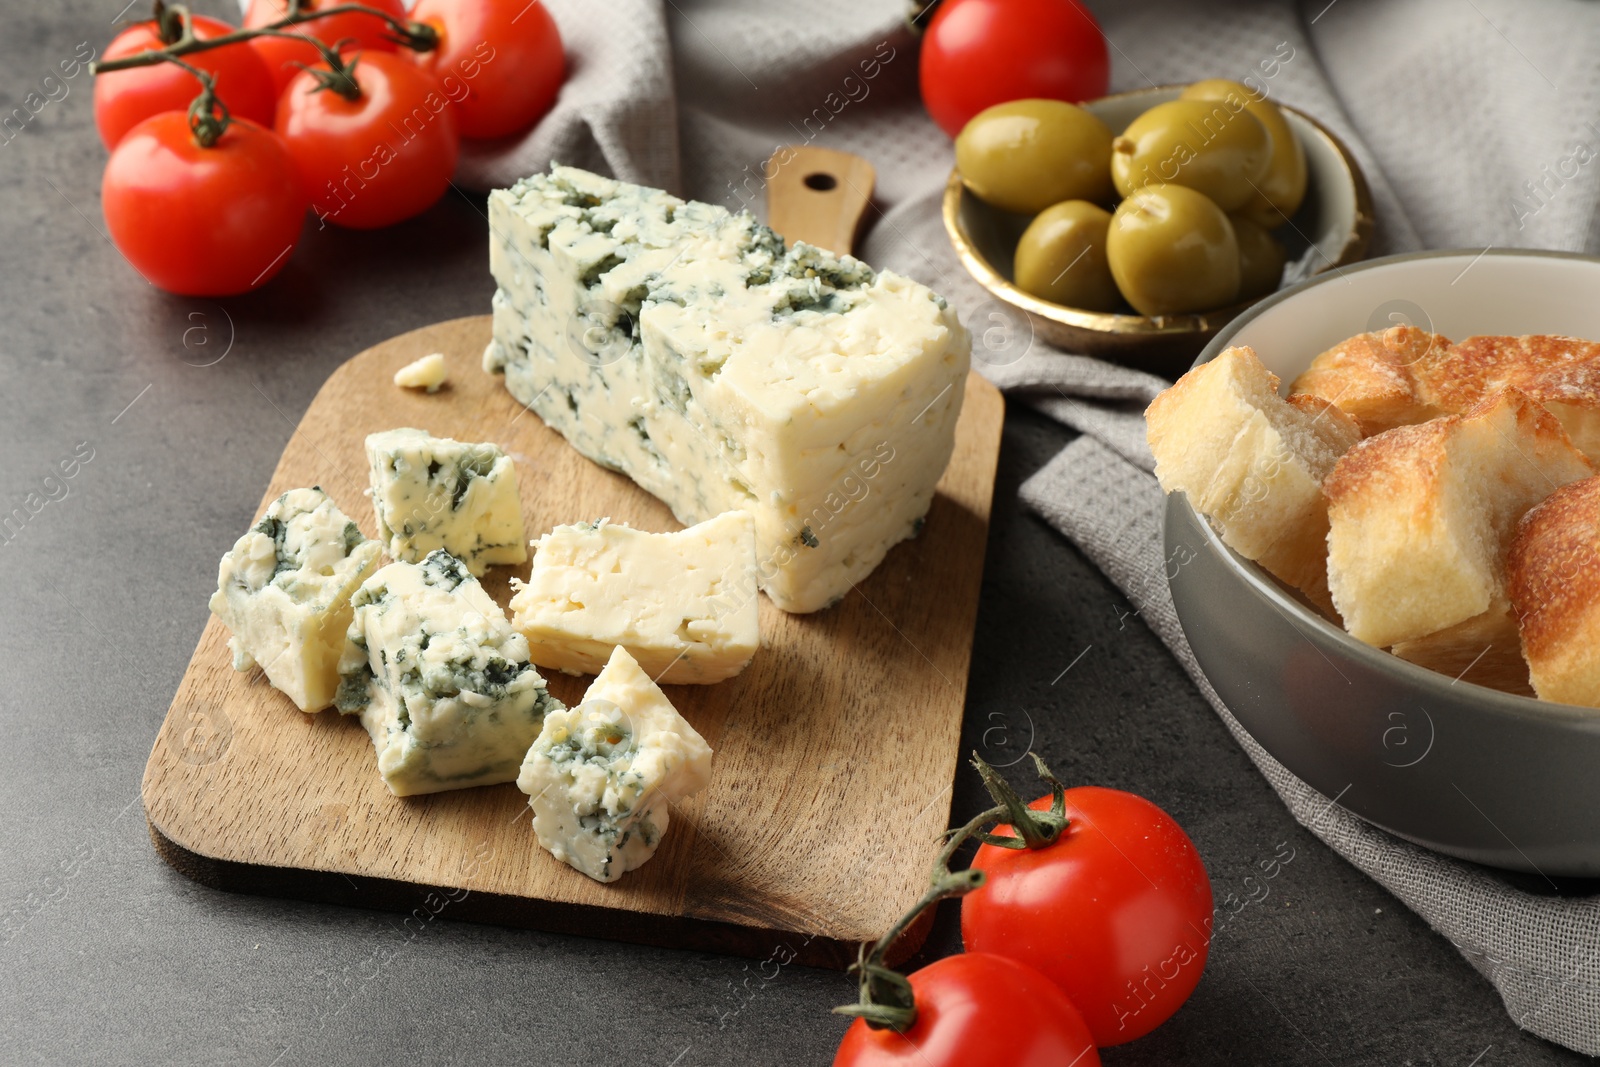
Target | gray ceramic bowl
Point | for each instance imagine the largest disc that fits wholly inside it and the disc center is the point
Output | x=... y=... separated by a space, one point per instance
x=1503 y=780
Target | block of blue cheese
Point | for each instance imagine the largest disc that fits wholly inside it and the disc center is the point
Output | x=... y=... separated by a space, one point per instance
x=686 y=347
x=284 y=592
x=682 y=603
x=602 y=776
x=434 y=492
x=441 y=681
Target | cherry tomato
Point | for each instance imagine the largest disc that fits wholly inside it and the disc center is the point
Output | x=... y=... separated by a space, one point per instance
x=1117 y=912
x=370 y=34
x=125 y=98
x=500 y=61
x=203 y=221
x=977 y=1010
x=378 y=159
x=978 y=53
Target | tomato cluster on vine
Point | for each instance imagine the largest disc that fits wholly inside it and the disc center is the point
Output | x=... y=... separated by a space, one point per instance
x=1086 y=918
x=223 y=138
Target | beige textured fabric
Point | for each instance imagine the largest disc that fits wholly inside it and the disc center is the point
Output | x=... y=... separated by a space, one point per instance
x=1449 y=113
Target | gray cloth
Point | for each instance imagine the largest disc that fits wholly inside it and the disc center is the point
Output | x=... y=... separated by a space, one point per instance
x=1465 y=117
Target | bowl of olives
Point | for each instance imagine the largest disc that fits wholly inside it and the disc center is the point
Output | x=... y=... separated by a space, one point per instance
x=1134 y=227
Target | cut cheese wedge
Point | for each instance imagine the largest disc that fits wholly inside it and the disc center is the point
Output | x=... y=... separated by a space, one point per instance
x=602 y=776
x=683 y=604
x=689 y=349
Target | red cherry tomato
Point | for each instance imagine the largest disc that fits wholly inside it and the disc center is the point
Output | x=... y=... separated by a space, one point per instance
x=500 y=61
x=203 y=221
x=125 y=98
x=1117 y=912
x=376 y=160
x=976 y=1010
x=370 y=34
x=978 y=53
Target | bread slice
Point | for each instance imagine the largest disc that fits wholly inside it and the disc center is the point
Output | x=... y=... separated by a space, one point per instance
x=1483 y=650
x=1562 y=373
x=1553 y=577
x=1371 y=377
x=1253 y=463
x=1420 y=516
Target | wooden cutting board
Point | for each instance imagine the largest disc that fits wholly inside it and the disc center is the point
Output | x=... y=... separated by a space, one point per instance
x=835 y=750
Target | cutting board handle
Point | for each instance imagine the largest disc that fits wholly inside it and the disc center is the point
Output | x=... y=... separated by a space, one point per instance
x=818 y=195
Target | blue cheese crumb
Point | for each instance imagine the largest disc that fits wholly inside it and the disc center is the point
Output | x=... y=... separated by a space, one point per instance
x=441 y=681
x=433 y=493
x=284 y=592
x=426 y=373
x=601 y=777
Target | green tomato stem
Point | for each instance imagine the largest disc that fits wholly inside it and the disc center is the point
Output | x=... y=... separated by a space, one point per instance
x=886 y=999
x=208 y=115
x=417 y=36
x=170 y=22
x=1034 y=829
x=339 y=77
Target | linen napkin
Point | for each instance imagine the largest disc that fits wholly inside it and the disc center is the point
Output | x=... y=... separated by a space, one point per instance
x=1464 y=117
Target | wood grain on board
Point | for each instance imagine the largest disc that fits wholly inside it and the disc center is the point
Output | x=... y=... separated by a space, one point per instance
x=835 y=750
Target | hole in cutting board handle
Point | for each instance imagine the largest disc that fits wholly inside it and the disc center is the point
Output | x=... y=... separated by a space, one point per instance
x=820 y=181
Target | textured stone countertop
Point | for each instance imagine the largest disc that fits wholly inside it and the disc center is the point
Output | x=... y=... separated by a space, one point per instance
x=109 y=956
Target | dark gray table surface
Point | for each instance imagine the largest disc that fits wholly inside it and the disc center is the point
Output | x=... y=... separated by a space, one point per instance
x=109 y=956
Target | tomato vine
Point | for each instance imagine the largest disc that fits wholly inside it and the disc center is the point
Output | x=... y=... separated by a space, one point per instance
x=886 y=1001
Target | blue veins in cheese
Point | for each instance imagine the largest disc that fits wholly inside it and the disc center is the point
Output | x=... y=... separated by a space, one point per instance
x=284 y=592
x=441 y=681
x=690 y=349
x=602 y=776
x=433 y=492
x=683 y=604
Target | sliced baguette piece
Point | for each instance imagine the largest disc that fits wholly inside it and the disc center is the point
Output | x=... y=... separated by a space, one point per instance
x=1371 y=377
x=1562 y=373
x=1253 y=463
x=1553 y=577
x=1420 y=516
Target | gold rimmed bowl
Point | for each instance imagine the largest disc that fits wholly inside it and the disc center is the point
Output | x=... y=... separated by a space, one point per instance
x=1332 y=229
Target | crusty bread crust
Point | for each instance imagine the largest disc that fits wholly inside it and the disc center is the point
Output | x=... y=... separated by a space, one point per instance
x=1468 y=372
x=1403 y=376
x=1562 y=373
x=1420 y=516
x=1553 y=578
x=1372 y=377
x=1253 y=463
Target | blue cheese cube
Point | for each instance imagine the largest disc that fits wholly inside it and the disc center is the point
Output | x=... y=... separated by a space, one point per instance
x=601 y=777
x=432 y=492
x=689 y=349
x=441 y=681
x=284 y=591
x=683 y=604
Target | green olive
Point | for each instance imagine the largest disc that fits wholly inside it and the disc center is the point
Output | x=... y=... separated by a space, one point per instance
x=1201 y=144
x=1062 y=257
x=1261 y=258
x=1025 y=155
x=1283 y=186
x=1172 y=250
